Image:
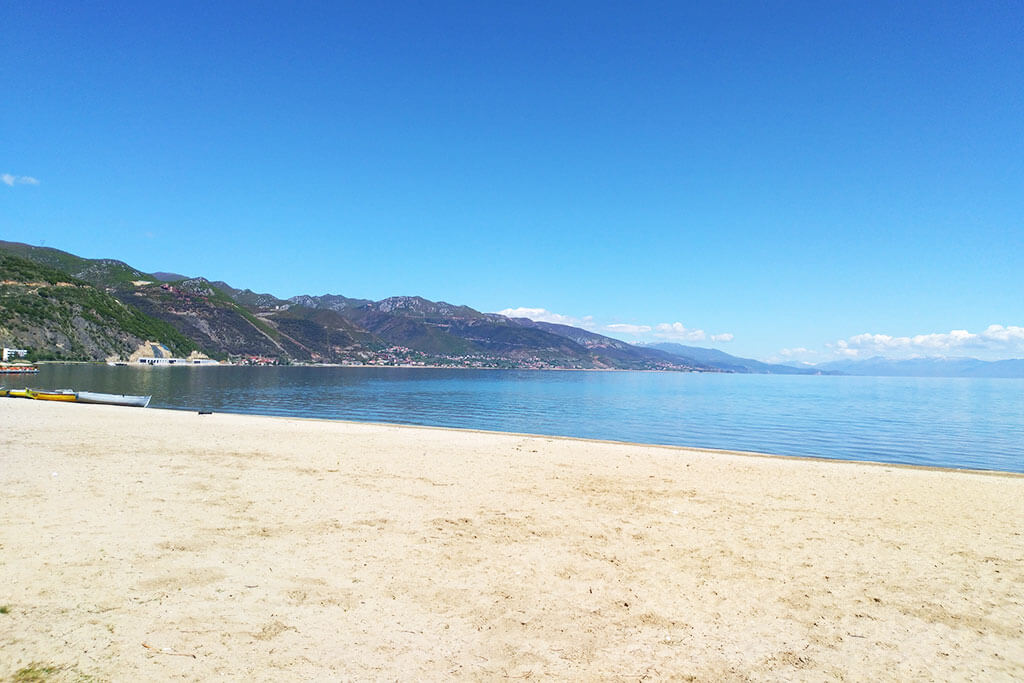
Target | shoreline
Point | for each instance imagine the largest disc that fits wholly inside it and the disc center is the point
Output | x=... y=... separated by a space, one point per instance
x=671 y=446
x=399 y=367
x=156 y=544
x=703 y=449
x=612 y=442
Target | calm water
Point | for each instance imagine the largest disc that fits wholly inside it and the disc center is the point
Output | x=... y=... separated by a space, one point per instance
x=976 y=423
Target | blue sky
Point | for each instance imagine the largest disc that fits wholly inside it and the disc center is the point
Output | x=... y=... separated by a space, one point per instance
x=779 y=180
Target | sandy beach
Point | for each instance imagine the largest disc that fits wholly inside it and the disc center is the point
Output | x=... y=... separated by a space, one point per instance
x=154 y=545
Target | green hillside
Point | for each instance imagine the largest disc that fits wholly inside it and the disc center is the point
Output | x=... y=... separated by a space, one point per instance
x=97 y=272
x=58 y=316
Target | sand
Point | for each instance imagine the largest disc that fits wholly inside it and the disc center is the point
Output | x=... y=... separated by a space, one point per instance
x=155 y=545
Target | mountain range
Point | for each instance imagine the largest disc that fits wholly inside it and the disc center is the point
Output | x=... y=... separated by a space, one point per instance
x=730 y=363
x=65 y=307
x=924 y=367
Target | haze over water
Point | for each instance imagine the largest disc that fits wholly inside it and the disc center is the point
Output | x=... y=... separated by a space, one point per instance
x=959 y=423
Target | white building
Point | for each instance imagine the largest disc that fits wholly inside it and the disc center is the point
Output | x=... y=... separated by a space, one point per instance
x=11 y=353
x=176 y=361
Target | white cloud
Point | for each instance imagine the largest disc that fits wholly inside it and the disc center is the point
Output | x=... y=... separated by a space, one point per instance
x=12 y=180
x=625 y=328
x=543 y=315
x=678 y=331
x=671 y=331
x=994 y=340
x=797 y=353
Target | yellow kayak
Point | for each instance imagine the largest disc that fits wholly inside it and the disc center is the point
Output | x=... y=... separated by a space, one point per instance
x=19 y=393
x=52 y=395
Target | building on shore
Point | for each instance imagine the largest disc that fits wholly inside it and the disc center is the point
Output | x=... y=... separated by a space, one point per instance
x=8 y=354
x=174 y=361
x=158 y=355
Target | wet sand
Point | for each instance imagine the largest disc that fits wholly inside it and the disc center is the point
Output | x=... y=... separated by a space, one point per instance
x=153 y=545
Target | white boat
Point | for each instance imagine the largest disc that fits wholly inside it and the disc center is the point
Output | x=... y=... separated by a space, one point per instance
x=113 y=399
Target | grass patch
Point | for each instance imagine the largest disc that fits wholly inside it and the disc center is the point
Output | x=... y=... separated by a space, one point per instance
x=36 y=671
x=5 y=609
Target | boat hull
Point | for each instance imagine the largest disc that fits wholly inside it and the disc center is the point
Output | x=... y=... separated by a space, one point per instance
x=113 y=399
x=53 y=395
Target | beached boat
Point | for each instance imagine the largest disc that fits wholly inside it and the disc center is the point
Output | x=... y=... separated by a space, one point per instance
x=18 y=393
x=60 y=395
x=18 y=368
x=113 y=399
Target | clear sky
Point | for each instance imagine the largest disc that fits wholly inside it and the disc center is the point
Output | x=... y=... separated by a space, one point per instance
x=775 y=179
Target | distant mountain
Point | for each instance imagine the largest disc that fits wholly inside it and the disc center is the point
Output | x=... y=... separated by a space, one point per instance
x=113 y=308
x=323 y=335
x=168 y=277
x=249 y=298
x=447 y=330
x=582 y=337
x=928 y=367
x=615 y=349
x=418 y=306
x=224 y=321
x=216 y=323
x=239 y=322
x=799 y=364
x=334 y=302
x=1011 y=368
x=64 y=306
x=727 y=362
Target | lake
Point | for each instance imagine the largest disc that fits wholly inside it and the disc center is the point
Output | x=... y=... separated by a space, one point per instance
x=961 y=423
